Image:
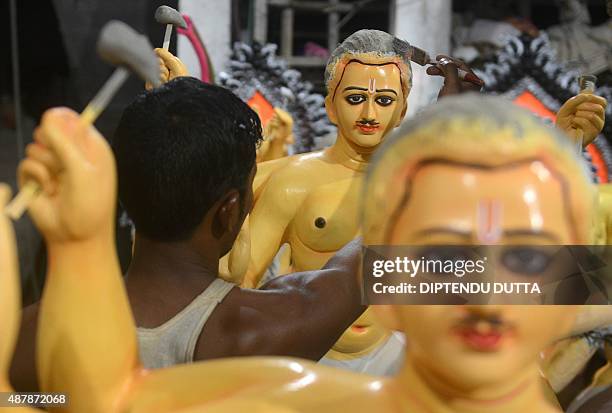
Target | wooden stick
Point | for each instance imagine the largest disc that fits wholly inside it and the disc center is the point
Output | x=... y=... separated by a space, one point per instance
x=167 y=37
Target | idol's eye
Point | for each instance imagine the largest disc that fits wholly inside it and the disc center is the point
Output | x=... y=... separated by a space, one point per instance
x=384 y=100
x=526 y=260
x=355 y=99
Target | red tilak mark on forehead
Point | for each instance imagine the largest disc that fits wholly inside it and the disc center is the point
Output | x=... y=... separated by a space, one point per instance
x=372 y=85
x=489 y=216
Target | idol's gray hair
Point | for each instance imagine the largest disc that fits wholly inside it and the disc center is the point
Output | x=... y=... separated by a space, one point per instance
x=367 y=41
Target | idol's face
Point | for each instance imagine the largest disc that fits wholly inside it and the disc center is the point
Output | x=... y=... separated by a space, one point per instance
x=453 y=204
x=367 y=103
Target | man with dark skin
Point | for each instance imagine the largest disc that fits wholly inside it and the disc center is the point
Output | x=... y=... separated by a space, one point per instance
x=185 y=158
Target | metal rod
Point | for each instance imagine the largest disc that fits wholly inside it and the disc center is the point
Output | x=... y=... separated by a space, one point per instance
x=16 y=80
x=312 y=5
x=260 y=21
x=333 y=34
x=287 y=33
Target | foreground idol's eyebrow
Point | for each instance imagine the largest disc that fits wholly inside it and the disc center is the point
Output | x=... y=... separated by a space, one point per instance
x=520 y=232
x=366 y=89
x=527 y=232
x=444 y=231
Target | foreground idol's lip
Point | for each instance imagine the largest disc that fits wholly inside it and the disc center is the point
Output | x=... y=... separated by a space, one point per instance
x=359 y=328
x=368 y=129
x=483 y=337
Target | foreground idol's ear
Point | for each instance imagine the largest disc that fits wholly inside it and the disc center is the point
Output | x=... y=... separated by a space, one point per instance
x=228 y=215
x=388 y=316
x=331 y=111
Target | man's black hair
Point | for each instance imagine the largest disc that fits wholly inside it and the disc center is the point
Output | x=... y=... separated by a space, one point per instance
x=179 y=149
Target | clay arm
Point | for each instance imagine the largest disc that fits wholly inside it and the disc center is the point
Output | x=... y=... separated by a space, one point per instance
x=303 y=314
x=9 y=291
x=170 y=67
x=270 y=218
x=86 y=344
x=278 y=133
x=10 y=294
x=10 y=299
x=585 y=112
x=234 y=265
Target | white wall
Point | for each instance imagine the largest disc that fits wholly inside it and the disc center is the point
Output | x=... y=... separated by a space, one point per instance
x=427 y=25
x=212 y=18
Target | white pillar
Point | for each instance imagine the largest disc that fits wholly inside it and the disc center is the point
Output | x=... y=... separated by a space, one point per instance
x=427 y=25
x=212 y=18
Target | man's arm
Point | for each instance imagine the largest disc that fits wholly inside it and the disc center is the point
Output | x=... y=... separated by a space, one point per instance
x=297 y=315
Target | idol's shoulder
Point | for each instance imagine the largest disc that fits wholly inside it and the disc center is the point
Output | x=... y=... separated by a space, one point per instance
x=304 y=386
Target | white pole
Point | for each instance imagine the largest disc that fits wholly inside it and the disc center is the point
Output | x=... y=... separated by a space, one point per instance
x=167 y=37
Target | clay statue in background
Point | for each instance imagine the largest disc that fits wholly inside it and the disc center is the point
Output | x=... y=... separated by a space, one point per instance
x=310 y=202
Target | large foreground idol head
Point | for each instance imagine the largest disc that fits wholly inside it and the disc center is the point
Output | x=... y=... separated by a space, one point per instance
x=368 y=78
x=476 y=170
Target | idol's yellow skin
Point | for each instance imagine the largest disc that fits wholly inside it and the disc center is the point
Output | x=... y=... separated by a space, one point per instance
x=92 y=354
x=310 y=201
x=10 y=298
x=278 y=134
x=583 y=116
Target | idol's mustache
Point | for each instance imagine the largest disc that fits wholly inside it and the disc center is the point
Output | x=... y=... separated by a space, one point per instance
x=371 y=122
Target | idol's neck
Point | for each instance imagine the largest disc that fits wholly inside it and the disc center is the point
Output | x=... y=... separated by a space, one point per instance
x=429 y=392
x=350 y=155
